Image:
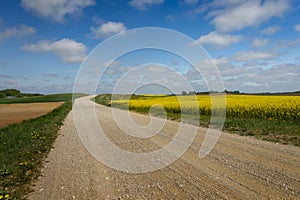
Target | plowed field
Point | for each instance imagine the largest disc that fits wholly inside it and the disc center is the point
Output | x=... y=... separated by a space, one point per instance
x=16 y=113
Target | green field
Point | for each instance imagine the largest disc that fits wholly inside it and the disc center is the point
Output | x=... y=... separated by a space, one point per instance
x=43 y=98
x=24 y=146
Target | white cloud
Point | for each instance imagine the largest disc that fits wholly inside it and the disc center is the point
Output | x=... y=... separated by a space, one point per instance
x=207 y=69
x=256 y=42
x=250 y=78
x=108 y=29
x=285 y=44
x=270 y=30
x=219 y=40
x=226 y=68
x=279 y=78
x=11 y=82
x=297 y=27
x=240 y=14
x=144 y=4
x=111 y=63
x=56 y=10
x=221 y=61
x=207 y=63
x=253 y=55
x=16 y=31
x=145 y=79
x=69 y=50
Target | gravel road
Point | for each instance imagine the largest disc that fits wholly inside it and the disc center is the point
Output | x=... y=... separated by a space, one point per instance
x=237 y=168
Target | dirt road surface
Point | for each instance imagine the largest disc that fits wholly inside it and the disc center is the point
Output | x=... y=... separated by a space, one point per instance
x=237 y=168
x=16 y=113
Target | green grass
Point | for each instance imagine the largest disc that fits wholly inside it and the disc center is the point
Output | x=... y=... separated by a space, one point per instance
x=24 y=146
x=285 y=132
x=44 y=98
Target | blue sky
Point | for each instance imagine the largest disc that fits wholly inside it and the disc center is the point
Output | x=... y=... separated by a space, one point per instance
x=255 y=44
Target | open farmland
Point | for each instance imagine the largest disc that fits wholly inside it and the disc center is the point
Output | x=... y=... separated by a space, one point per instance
x=274 y=118
x=237 y=168
x=24 y=145
x=16 y=113
x=42 y=98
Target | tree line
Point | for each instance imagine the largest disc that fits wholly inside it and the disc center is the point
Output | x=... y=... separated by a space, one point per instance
x=16 y=93
x=208 y=92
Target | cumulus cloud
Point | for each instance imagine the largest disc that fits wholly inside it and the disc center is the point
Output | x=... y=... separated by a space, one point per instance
x=208 y=63
x=56 y=10
x=297 y=27
x=219 y=40
x=144 y=4
x=137 y=77
x=69 y=50
x=16 y=31
x=270 y=30
x=236 y=76
x=278 y=78
x=253 y=55
x=111 y=63
x=256 y=42
x=236 y=15
x=254 y=78
x=108 y=29
x=221 y=61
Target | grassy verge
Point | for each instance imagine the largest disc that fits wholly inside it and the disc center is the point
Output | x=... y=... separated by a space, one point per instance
x=285 y=132
x=24 y=146
x=281 y=131
x=45 y=98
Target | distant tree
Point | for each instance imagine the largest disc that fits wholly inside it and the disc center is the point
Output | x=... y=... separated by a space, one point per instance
x=192 y=92
x=16 y=93
x=11 y=92
x=232 y=92
x=183 y=92
x=2 y=95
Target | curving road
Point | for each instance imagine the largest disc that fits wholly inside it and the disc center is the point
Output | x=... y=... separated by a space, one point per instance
x=237 y=168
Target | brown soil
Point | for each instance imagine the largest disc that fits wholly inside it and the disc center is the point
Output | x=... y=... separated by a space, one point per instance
x=16 y=113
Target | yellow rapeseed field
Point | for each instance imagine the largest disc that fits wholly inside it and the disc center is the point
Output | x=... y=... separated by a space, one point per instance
x=266 y=107
x=241 y=106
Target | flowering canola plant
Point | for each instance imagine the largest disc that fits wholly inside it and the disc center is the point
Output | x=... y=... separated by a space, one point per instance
x=240 y=106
